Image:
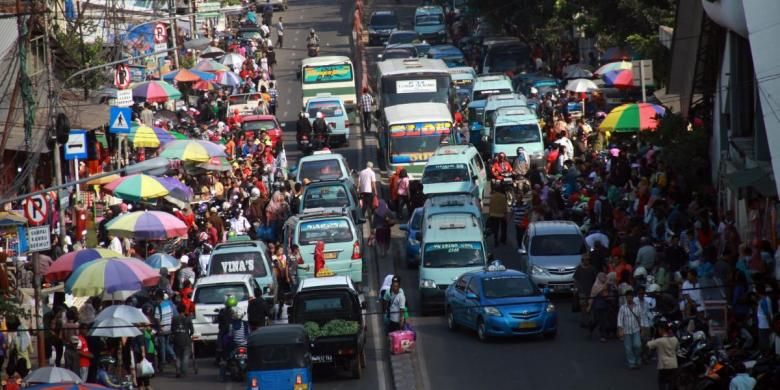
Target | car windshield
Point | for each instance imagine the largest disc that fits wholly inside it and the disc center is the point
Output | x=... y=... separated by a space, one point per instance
x=383 y=20
x=453 y=255
x=329 y=108
x=323 y=306
x=517 y=134
x=237 y=263
x=454 y=62
x=508 y=286
x=407 y=37
x=320 y=170
x=328 y=231
x=327 y=196
x=260 y=125
x=276 y=357
x=485 y=93
x=557 y=245
x=445 y=173
x=215 y=294
x=429 y=20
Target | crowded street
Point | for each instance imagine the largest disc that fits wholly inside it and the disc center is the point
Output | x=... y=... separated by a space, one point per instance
x=355 y=194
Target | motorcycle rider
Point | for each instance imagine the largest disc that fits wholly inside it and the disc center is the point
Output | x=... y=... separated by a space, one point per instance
x=303 y=126
x=522 y=162
x=500 y=166
x=320 y=128
x=224 y=320
x=313 y=40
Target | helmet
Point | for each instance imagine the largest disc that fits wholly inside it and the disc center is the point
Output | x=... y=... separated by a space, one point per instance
x=520 y=149
x=231 y=301
x=320 y=115
x=255 y=192
x=640 y=272
x=231 y=234
x=653 y=288
x=303 y=114
x=311 y=31
x=501 y=156
x=534 y=90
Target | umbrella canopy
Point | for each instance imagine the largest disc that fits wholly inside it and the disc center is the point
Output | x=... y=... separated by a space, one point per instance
x=138 y=187
x=619 y=65
x=233 y=59
x=220 y=164
x=114 y=328
x=176 y=135
x=155 y=91
x=187 y=76
x=66 y=386
x=163 y=260
x=149 y=137
x=212 y=52
x=193 y=150
x=128 y=313
x=619 y=78
x=633 y=117
x=10 y=218
x=210 y=66
x=99 y=181
x=52 y=375
x=229 y=79
x=67 y=263
x=110 y=275
x=176 y=188
x=577 y=73
x=147 y=225
x=205 y=86
x=581 y=85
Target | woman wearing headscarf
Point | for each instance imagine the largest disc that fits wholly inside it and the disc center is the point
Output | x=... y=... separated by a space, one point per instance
x=381 y=223
x=599 y=307
x=276 y=212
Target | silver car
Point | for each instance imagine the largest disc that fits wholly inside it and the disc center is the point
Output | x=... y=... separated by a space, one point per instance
x=551 y=251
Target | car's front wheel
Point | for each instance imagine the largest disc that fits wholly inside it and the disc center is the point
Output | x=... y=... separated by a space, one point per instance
x=451 y=324
x=482 y=330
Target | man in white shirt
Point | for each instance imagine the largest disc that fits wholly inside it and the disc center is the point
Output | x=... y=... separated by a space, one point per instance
x=691 y=288
x=367 y=188
x=594 y=236
x=115 y=244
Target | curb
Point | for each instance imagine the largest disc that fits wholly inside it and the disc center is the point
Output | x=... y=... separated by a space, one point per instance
x=403 y=371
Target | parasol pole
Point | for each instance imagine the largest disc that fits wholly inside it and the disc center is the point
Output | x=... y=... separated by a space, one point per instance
x=642 y=80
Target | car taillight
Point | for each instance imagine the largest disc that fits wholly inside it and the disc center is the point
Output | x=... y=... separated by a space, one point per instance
x=356 y=251
x=346 y=123
x=255 y=385
x=332 y=124
x=298 y=380
x=241 y=350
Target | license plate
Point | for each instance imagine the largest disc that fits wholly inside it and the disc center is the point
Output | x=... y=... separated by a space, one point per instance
x=527 y=325
x=322 y=358
x=301 y=386
x=330 y=255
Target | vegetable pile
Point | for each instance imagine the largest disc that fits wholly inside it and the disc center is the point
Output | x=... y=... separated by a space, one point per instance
x=331 y=328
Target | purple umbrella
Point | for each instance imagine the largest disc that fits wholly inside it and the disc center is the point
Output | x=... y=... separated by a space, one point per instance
x=176 y=188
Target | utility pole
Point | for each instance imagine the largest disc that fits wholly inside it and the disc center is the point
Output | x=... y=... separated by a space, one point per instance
x=193 y=27
x=174 y=31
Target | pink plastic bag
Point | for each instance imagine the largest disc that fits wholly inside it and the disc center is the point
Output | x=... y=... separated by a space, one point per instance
x=401 y=341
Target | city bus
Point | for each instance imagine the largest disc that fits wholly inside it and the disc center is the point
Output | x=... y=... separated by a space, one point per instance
x=410 y=134
x=329 y=74
x=416 y=80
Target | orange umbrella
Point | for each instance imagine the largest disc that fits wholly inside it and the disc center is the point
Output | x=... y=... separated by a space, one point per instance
x=187 y=76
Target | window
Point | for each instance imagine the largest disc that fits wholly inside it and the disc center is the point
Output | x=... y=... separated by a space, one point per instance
x=260 y=125
x=327 y=196
x=238 y=263
x=321 y=169
x=462 y=282
x=217 y=293
x=429 y=20
x=453 y=255
x=417 y=221
x=557 y=245
x=506 y=287
x=517 y=134
x=328 y=231
x=383 y=20
x=478 y=162
x=473 y=286
x=445 y=173
x=329 y=109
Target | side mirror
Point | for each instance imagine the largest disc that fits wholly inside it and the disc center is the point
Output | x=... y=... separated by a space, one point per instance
x=418 y=236
x=471 y=295
x=379 y=57
x=475 y=178
x=403 y=226
x=298 y=74
x=216 y=310
x=484 y=138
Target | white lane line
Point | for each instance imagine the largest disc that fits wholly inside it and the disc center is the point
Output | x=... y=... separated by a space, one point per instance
x=288 y=101
x=377 y=341
x=284 y=114
x=426 y=382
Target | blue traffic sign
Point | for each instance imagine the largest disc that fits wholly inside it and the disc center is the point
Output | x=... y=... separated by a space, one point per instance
x=76 y=147
x=119 y=120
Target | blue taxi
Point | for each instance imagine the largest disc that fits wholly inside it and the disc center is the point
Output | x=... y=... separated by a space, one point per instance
x=499 y=302
x=412 y=243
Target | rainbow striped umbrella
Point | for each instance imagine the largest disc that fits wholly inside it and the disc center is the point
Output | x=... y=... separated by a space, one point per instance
x=149 y=137
x=10 y=218
x=65 y=264
x=110 y=275
x=147 y=225
x=192 y=150
x=230 y=79
x=187 y=76
x=208 y=65
x=155 y=91
x=205 y=86
x=619 y=78
x=633 y=117
x=138 y=187
x=619 y=65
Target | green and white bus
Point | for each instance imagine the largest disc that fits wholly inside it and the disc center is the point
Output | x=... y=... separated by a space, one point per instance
x=329 y=74
x=408 y=81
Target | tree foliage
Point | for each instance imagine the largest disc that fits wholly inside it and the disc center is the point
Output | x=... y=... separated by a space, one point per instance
x=75 y=54
x=684 y=148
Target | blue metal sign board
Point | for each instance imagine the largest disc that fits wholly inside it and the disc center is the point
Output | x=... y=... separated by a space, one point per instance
x=119 y=120
x=76 y=147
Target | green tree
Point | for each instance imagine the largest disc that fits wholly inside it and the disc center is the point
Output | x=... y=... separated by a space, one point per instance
x=684 y=148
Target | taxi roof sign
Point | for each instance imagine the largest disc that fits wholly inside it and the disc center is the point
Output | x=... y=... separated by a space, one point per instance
x=496 y=266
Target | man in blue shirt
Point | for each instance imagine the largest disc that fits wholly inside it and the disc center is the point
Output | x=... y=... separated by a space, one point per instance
x=743 y=380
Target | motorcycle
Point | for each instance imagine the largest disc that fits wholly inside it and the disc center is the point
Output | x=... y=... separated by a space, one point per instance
x=313 y=49
x=236 y=363
x=304 y=145
x=506 y=183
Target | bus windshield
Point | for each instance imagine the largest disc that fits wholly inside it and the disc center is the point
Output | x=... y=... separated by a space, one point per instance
x=327 y=74
x=453 y=255
x=502 y=58
x=429 y=20
x=431 y=88
x=413 y=149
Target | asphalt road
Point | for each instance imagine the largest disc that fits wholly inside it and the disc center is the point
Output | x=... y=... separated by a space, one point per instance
x=332 y=21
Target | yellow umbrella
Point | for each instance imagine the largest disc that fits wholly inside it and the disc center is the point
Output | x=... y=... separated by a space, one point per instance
x=99 y=181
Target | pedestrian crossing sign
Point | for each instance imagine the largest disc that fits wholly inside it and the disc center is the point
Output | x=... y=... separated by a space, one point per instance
x=119 y=120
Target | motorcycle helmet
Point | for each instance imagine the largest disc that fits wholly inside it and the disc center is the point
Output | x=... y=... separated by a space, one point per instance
x=231 y=234
x=231 y=301
x=502 y=156
x=653 y=288
x=534 y=90
x=311 y=32
x=255 y=192
x=640 y=272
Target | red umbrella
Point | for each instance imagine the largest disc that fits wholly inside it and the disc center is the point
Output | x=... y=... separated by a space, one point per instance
x=619 y=78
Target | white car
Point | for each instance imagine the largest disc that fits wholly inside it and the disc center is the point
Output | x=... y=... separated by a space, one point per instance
x=209 y=297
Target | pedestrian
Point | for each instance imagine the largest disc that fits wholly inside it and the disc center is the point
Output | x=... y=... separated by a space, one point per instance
x=394 y=302
x=273 y=93
x=366 y=106
x=628 y=327
x=764 y=317
x=280 y=34
x=147 y=115
x=598 y=307
x=257 y=311
x=666 y=349
x=72 y=358
x=520 y=220
x=367 y=189
x=743 y=380
x=496 y=222
x=164 y=311
x=584 y=279
x=182 y=330
x=381 y=224
x=403 y=193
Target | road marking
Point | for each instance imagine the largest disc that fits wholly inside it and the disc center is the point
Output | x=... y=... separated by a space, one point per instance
x=426 y=382
x=377 y=340
x=284 y=114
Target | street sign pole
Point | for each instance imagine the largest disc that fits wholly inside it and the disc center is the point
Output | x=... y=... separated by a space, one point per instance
x=78 y=191
x=37 y=293
x=642 y=77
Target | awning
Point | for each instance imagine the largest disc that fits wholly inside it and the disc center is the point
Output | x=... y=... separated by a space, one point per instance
x=756 y=178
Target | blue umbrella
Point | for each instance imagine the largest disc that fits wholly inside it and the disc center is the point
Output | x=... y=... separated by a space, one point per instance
x=170 y=76
x=163 y=260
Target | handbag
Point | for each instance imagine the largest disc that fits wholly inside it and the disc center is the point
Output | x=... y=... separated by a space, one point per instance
x=145 y=368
